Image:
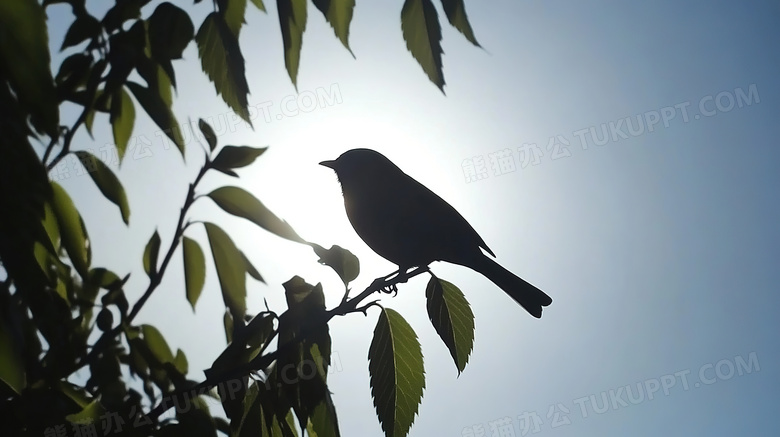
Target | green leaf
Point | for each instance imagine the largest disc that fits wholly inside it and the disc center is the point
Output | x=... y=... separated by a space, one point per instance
x=194 y=270
x=159 y=111
x=104 y=278
x=227 y=321
x=422 y=33
x=121 y=12
x=456 y=14
x=180 y=362
x=158 y=78
x=75 y=393
x=122 y=120
x=170 y=31
x=231 y=157
x=83 y=28
x=250 y=268
x=208 y=133
x=339 y=15
x=25 y=62
x=90 y=118
x=73 y=233
x=259 y=4
x=324 y=421
x=51 y=227
x=346 y=264
x=12 y=370
x=223 y=63
x=259 y=330
x=234 y=15
x=303 y=296
x=157 y=344
x=240 y=203
x=106 y=181
x=45 y=261
x=151 y=252
x=292 y=18
x=230 y=270
x=89 y=414
x=252 y=421
x=73 y=73
x=395 y=364
x=451 y=316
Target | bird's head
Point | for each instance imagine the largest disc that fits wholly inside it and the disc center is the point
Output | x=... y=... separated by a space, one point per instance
x=358 y=166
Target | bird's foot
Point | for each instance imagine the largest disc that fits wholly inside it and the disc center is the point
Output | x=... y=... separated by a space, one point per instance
x=392 y=288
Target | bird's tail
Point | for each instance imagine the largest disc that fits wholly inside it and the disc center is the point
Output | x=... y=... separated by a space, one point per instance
x=528 y=296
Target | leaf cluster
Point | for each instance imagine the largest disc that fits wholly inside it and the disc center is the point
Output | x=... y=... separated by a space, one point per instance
x=62 y=316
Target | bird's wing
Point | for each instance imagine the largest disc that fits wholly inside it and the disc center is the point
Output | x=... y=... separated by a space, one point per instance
x=436 y=220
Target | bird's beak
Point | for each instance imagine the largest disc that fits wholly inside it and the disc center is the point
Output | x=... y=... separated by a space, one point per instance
x=329 y=164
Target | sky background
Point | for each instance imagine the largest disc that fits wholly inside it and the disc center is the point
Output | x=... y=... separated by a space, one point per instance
x=659 y=248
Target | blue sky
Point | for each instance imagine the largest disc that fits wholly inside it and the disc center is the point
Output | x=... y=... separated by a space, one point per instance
x=659 y=248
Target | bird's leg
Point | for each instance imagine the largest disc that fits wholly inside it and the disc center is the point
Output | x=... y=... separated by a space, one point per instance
x=397 y=277
x=381 y=284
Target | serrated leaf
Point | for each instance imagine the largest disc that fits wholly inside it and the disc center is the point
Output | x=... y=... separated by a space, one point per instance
x=240 y=203
x=234 y=15
x=422 y=33
x=250 y=268
x=194 y=270
x=73 y=232
x=339 y=15
x=106 y=181
x=230 y=270
x=395 y=365
x=208 y=133
x=292 y=18
x=451 y=316
x=157 y=344
x=151 y=252
x=24 y=39
x=231 y=157
x=170 y=31
x=223 y=63
x=159 y=111
x=342 y=261
x=456 y=14
x=122 y=120
x=83 y=28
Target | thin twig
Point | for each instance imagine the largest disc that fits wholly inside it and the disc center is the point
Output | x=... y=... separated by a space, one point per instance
x=154 y=280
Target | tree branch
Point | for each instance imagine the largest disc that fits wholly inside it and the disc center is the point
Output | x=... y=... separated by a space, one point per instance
x=263 y=361
x=154 y=280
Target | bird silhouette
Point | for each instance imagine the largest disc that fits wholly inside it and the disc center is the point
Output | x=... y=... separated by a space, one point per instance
x=408 y=224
